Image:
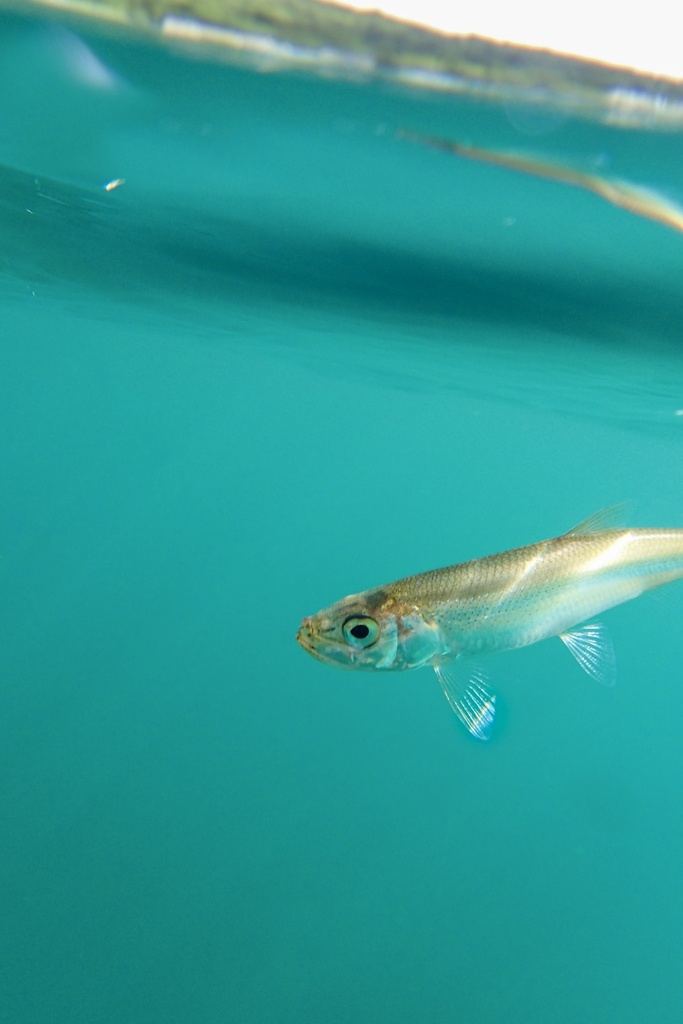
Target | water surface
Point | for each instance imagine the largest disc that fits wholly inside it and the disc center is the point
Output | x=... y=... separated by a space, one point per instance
x=295 y=356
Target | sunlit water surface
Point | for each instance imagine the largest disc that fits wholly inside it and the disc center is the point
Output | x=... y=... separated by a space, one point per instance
x=293 y=356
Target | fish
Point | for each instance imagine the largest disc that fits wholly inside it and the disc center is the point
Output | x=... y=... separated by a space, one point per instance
x=449 y=618
x=637 y=199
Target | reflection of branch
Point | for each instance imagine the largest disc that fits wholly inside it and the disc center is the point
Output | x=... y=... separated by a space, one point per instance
x=641 y=201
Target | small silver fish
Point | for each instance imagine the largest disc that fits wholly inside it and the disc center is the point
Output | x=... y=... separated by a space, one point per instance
x=445 y=617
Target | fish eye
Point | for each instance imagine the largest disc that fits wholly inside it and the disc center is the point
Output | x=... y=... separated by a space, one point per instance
x=360 y=631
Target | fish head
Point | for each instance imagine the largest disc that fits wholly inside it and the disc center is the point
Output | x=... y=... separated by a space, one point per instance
x=369 y=631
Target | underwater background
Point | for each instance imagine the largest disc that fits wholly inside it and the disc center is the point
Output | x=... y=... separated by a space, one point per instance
x=291 y=356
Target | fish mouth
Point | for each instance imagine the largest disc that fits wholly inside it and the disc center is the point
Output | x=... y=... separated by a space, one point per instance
x=309 y=637
x=305 y=640
x=310 y=630
x=304 y=637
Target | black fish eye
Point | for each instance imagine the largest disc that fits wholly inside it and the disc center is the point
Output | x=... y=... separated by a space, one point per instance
x=360 y=631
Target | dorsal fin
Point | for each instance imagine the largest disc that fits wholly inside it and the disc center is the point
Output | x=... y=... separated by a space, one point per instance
x=610 y=518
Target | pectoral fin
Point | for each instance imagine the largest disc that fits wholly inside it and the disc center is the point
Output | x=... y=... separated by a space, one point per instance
x=467 y=692
x=594 y=651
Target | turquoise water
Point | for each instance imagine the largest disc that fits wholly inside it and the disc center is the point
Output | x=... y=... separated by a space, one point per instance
x=294 y=356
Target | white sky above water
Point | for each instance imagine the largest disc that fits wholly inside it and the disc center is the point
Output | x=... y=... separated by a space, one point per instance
x=647 y=36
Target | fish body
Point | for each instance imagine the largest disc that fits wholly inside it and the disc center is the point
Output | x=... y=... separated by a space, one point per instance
x=446 y=617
